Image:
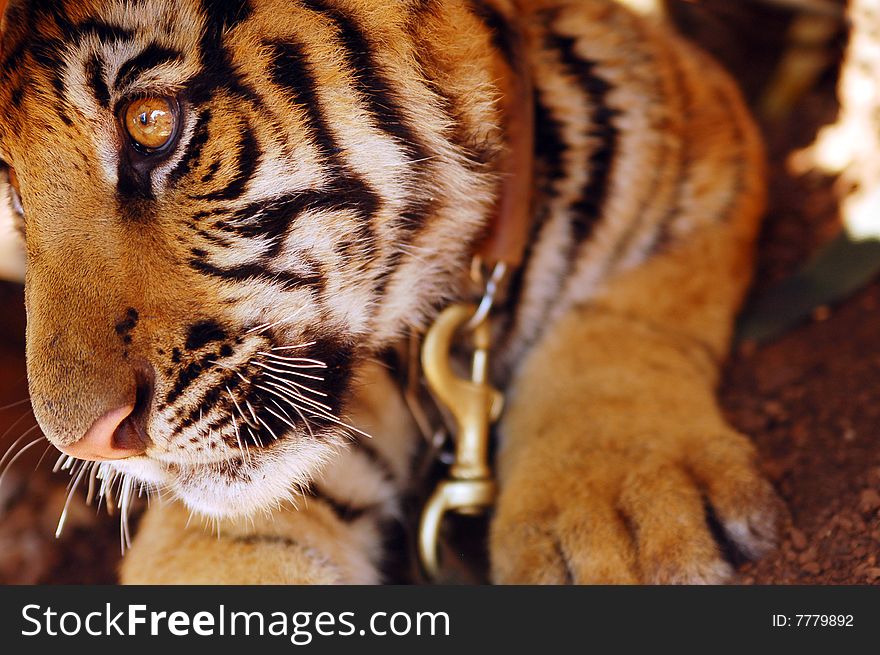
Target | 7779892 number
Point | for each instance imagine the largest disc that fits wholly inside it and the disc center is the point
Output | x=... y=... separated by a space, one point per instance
x=824 y=620
x=813 y=621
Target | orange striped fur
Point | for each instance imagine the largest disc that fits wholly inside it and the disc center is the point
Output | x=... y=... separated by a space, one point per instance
x=333 y=166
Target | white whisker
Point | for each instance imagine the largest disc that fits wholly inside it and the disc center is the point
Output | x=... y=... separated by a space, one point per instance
x=124 y=509
x=317 y=413
x=298 y=387
x=15 y=443
x=241 y=447
x=93 y=482
x=301 y=415
x=15 y=458
x=271 y=431
x=312 y=363
x=255 y=437
x=18 y=403
x=292 y=392
x=287 y=372
x=63 y=518
x=251 y=410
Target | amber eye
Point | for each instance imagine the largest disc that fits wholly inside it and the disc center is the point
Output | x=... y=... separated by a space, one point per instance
x=150 y=122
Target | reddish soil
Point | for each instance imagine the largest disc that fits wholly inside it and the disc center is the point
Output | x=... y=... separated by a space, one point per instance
x=809 y=399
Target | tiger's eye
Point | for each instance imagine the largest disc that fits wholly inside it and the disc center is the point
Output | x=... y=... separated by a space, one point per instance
x=150 y=122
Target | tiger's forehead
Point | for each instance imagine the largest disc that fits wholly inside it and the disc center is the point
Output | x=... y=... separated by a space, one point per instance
x=64 y=59
x=67 y=20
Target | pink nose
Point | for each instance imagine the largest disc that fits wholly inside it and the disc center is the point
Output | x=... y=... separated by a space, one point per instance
x=115 y=435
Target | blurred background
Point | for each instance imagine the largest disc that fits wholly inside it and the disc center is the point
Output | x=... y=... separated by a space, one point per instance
x=802 y=380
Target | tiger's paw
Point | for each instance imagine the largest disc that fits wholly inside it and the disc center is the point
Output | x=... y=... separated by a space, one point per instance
x=606 y=516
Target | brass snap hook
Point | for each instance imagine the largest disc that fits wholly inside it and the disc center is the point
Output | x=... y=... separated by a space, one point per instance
x=475 y=405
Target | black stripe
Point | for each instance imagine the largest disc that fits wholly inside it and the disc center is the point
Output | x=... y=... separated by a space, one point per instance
x=104 y=31
x=95 y=76
x=381 y=99
x=291 y=71
x=212 y=171
x=636 y=228
x=273 y=219
x=418 y=213
x=48 y=54
x=289 y=281
x=587 y=211
x=344 y=511
x=193 y=150
x=22 y=21
x=17 y=95
x=266 y=540
x=375 y=457
x=202 y=333
x=383 y=104
x=392 y=265
x=218 y=70
x=248 y=158
x=209 y=213
x=431 y=64
x=188 y=375
x=505 y=38
x=152 y=56
x=224 y=15
x=216 y=397
x=275 y=411
x=422 y=205
x=551 y=149
x=210 y=237
x=664 y=239
x=48 y=51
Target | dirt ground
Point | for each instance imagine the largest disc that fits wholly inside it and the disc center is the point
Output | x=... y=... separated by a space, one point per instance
x=809 y=399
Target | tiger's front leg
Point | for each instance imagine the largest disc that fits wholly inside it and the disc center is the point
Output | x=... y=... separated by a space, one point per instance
x=614 y=445
x=334 y=534
x=290 y=546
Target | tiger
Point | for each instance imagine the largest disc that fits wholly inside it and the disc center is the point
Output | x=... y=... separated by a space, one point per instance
x=235 y=212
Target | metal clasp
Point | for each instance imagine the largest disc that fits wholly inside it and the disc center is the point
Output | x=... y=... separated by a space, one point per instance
x=475 y=405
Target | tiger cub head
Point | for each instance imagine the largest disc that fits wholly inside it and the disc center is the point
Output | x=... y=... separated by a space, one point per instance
x=227 y=206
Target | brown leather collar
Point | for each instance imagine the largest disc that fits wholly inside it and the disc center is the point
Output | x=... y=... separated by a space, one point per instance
x=508 y=233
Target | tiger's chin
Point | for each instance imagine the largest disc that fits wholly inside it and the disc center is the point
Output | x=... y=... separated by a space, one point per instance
x=236 y=487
